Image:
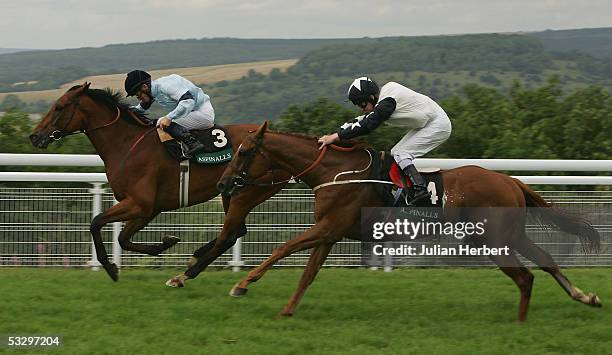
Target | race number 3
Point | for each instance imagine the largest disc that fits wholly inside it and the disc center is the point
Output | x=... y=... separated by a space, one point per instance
x=221 y=139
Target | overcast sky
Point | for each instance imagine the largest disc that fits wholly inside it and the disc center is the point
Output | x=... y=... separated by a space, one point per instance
x=84 y=23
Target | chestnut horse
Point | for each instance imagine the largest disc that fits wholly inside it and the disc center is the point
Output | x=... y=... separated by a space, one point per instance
x=143 y=176
x=338 y=207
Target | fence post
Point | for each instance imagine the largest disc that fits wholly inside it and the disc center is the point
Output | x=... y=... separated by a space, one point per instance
x=116 y=246
x=388 y=260
x=237 y=262
x=96 y=209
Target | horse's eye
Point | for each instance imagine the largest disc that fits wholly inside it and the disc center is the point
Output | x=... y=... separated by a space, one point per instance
x=243 y=151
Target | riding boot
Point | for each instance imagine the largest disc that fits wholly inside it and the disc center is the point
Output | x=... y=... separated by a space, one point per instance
x=419 y=186
x=182 y=134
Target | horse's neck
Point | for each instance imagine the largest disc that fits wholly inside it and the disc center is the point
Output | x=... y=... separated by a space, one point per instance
x=112 y=143
x=295 y=154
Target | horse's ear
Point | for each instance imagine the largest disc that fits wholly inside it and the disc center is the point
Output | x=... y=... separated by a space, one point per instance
x=86 y=86
x=262 y=129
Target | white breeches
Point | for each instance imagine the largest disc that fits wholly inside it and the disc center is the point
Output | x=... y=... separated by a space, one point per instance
x=202 y=118
x=421 y=141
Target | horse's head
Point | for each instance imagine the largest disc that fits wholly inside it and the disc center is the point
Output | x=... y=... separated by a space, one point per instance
x=64 y=118
x=249 y=163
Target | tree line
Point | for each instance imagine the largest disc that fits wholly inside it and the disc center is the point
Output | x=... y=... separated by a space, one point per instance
x=538 y=123
x=541 y=123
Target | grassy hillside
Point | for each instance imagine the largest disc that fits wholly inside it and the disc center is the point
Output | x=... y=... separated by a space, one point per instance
x=12 y=50
x=39 y=70
x=594 y=41
x=439 y=66
x=48 y=69
x=207 y=75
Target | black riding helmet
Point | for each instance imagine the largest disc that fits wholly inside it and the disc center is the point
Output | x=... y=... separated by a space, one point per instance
x=361 y=90
x=134 y=79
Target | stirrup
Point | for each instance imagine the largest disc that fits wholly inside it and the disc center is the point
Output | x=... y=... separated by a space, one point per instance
x=191 y=151
x=417 y=197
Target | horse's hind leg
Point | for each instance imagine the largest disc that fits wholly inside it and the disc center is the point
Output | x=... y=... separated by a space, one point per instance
x=521 y=276
x=123 y=211
x=134 y=225
x=540 y=257
x=316 y=260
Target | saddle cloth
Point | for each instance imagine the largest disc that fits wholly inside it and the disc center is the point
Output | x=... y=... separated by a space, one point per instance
x=217 y=145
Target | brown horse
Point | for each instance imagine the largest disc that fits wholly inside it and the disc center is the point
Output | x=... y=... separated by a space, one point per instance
x=337 y=210
x=143 y=176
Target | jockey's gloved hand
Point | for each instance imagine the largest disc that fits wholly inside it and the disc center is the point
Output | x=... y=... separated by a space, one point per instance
x=328 y=139
x=163 y=122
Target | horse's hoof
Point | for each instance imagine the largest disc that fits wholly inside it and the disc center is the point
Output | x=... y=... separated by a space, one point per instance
x=238 y=291
x=175 y=282
x=170 y=240
x=285 y=314
x=595 y=301
x=112 y=271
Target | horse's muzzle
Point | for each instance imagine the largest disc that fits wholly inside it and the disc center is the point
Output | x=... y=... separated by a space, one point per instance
x=40 y=141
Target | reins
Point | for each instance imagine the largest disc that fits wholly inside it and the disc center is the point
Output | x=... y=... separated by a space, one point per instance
x=305 y=171
x=52 y=135
x=241 y=179
x=107 y=124
x=320 y=157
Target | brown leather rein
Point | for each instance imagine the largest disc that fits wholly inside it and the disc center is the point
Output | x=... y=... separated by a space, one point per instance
x=55 y=137
x=241 y=179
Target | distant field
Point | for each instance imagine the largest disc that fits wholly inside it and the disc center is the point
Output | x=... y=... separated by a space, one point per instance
x=346 y=311
x=207 y=75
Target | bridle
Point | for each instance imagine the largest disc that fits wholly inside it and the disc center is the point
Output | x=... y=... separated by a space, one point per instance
x=59 y=133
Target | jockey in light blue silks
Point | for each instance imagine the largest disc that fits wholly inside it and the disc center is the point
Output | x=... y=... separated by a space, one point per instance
x=190 y=106
x=426 y=123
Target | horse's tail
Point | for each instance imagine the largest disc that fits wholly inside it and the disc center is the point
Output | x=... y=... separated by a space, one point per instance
x=566 y=221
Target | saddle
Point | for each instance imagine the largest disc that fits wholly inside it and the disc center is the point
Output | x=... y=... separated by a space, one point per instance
x=217 y=145
x=385 y=168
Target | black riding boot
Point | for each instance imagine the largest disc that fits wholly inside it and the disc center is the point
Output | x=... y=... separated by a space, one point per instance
x=182 y=134
x=419 y=186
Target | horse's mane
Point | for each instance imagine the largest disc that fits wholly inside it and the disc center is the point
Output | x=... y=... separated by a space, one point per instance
x=345 y=144
x=113 y=100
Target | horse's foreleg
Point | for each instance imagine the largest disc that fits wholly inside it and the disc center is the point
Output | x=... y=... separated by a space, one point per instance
x=316 y=260
x=521 y=276
x=533 y=252
x=316 y=235
x=95 y=228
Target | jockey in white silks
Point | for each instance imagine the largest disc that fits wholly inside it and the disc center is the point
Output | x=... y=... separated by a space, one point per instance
x=426 y=123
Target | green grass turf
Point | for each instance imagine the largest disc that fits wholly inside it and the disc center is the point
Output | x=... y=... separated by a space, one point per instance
x=345 y=311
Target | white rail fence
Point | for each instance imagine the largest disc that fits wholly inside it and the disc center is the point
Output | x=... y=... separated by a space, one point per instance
x=52 y=225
